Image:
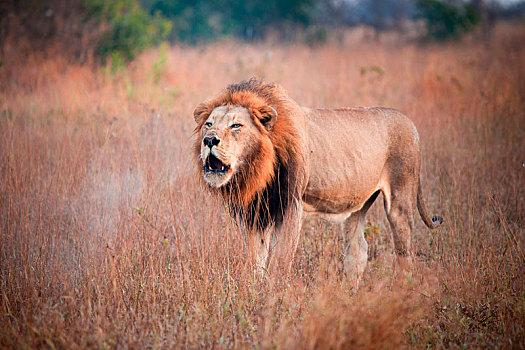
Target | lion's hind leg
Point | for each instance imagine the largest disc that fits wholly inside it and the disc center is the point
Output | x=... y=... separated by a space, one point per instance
x=400 y=206
x=355 y=247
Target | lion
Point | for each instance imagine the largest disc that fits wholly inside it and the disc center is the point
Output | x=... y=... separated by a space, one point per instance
x=275 y=162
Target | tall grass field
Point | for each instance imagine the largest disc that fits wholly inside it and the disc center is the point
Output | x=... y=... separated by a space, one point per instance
x=107 y=239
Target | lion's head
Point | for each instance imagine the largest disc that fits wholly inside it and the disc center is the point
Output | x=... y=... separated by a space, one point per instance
x=244 y=136
x=235 y=140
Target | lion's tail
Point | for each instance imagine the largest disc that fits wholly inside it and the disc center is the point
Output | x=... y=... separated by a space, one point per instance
x=436 y=219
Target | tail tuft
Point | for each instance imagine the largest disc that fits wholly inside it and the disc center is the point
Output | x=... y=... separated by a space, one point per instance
x=437 y=220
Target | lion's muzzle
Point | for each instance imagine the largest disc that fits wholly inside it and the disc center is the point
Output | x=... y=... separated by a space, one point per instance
x=214 y=165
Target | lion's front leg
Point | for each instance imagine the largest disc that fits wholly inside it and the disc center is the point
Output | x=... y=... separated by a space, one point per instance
x=286 y=240
x=355 y=249
x=258 y=245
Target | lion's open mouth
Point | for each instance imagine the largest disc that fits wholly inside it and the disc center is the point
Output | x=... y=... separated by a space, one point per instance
x=214 y=165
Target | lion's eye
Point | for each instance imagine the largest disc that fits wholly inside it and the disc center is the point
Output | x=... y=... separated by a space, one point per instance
x=208 y=124
x=236 y=126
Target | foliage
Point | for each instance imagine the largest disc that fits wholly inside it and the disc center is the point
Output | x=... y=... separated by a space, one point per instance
x=204 y=20
x=445 y=20
x=130 y=31
x=80 y=29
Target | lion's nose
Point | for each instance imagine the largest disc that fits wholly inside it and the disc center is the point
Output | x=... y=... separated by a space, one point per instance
x=211 y=141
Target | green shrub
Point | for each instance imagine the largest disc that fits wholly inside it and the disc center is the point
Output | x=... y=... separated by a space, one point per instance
x=446 y=20
x=130 y=29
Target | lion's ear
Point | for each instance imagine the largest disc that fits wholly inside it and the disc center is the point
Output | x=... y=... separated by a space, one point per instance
x=201 y=112
x=268 y=117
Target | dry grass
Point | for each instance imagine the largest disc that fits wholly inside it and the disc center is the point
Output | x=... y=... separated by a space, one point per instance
x=107 y=240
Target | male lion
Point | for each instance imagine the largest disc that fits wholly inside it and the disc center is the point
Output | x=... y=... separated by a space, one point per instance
x=273 y=160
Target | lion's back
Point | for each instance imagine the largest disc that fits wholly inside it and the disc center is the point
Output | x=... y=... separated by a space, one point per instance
x=355 y=128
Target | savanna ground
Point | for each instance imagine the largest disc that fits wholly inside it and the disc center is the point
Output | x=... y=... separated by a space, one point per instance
x=108 y=241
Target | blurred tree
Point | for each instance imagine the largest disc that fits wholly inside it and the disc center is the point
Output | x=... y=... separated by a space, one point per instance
x=381 y=15
x=204 y=20
x=80 y=29
x=130 y=31
x=447 y=20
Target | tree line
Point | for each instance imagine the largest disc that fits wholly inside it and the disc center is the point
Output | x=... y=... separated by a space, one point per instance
x=120 y=29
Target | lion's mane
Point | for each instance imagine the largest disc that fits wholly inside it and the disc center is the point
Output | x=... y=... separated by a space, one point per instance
x=260 y=193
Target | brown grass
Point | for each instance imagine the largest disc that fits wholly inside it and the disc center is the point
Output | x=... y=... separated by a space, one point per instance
x=108 y=241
